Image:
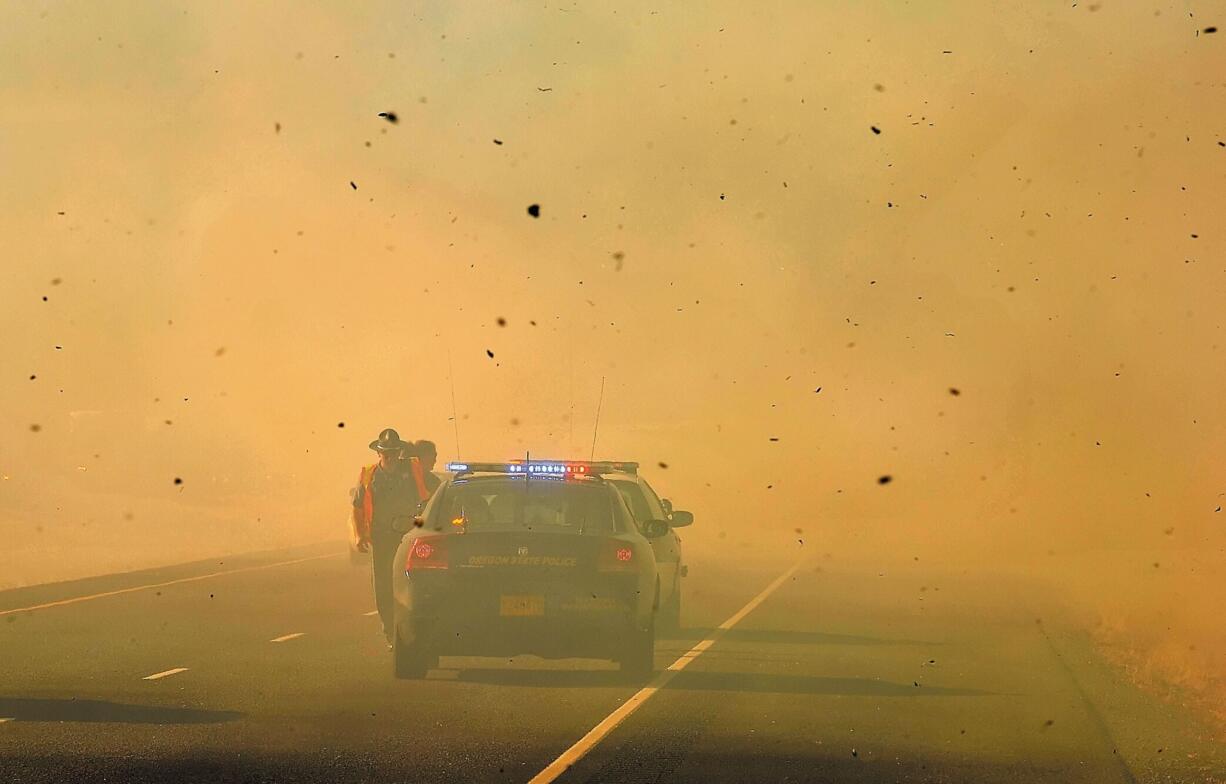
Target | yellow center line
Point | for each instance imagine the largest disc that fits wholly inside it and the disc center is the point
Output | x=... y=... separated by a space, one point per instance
x=180 y=581
x=165 y=673
x=610 y=722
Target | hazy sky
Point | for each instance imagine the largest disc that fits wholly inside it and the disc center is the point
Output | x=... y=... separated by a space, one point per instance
x=238 y=253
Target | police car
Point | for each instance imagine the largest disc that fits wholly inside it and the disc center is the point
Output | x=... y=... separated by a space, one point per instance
x=551 y=558
x=645 y=506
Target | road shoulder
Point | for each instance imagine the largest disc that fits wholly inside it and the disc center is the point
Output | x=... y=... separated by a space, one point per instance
x=1156 y=740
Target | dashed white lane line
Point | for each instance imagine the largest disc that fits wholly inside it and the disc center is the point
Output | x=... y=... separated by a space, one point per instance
x=286 y=637
x=610 y=722
x=372 y=612
x=158 y=675
x=181 y=580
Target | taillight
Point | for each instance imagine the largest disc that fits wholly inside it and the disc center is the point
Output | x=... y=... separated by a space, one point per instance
x=616 y=556
x=427 y=552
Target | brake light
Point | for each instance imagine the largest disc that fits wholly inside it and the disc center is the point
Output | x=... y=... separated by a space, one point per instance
x=616 y=556
x=428 y=552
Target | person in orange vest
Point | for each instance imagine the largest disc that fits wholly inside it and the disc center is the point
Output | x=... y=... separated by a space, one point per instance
x=427 y=452
x=386 y=494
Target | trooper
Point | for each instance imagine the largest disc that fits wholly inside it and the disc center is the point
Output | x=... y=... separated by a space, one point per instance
x=386 y=494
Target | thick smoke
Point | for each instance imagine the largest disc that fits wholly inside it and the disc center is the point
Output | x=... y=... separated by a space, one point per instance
x=975 y=249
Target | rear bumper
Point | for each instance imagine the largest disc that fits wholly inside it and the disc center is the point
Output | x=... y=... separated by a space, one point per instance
x=568 y=620
x=512 y=637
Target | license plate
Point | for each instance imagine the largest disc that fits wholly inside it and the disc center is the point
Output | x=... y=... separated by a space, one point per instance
x=521 y=606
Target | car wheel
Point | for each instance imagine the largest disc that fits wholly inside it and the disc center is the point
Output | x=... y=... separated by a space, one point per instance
x=409 y=662
x=638 y=657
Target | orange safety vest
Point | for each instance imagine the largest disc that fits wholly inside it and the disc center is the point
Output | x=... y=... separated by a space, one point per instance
x=419 y=478
x=363 y=517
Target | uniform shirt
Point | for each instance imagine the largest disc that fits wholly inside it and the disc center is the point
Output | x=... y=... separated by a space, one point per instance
x=394 y=495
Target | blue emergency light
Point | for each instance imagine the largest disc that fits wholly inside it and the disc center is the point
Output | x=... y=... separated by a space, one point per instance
x=553 y=468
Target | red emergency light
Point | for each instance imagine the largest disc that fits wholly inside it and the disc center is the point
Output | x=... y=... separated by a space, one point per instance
x=554 y=468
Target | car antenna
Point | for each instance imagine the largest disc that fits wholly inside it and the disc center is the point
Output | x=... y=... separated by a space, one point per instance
x=527 y=476
x=455 y=418
x=570 y=443
x=596 y=427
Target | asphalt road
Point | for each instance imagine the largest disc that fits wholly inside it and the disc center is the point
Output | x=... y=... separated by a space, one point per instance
x=839 y=675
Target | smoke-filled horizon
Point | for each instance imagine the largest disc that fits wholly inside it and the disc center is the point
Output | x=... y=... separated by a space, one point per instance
x=972 y=248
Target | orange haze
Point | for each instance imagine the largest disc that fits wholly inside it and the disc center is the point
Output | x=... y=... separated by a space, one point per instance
x=237 y=254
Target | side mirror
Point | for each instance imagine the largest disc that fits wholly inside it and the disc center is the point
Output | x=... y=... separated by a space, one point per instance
x=654 y=529
x=402 y=525
x=668 y=506
x=680 y=519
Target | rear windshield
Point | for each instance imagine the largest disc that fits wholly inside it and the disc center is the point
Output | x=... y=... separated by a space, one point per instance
x=535 y=505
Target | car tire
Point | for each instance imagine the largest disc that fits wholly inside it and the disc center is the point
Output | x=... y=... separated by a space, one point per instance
x=670 y=613
x=409 y=662
x=638 y=656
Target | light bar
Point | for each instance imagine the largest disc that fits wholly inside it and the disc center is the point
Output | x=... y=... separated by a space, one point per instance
x=546 y=468
x=589 y=467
